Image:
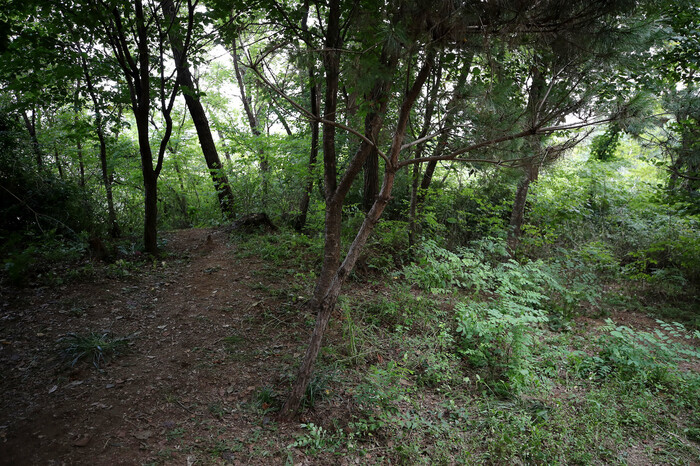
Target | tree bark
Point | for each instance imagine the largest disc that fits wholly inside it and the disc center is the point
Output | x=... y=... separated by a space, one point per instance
x=534 y=105
x=78 y=142
x=452 y=107
x=370 y=185
x=30 y=124
x=136 y=69
x=300 y=220
x=196 y=109
x=58 y=162
x=329 y=295
x=378 y=99
x=517 y=216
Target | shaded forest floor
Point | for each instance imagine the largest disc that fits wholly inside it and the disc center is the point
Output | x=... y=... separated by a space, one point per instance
x=212 y=341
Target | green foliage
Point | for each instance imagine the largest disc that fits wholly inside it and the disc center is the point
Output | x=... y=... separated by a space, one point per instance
x=379 y=395
x=317 y=389
x=100 y=347
x=604 y=146
x=30 y=255
x=477 y=210
x=497 y=333
x=387 y=248
x=318 y=440
x=401 y=310
x=430 y=352
x=602 y=223
x=266 y=399
x=645 y=358
x=441 y=271
x=285 y=247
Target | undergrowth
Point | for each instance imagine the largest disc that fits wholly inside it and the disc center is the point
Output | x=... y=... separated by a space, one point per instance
x=493 y=364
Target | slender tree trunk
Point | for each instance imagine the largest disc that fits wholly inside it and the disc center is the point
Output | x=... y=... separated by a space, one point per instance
x=114 y=230
x=430 y=167
x=81 y=162
x=30 y=124
x=107 y=179
x=300 y=221
x=378 y=99
x=518 y=213
x=199 y=116
x=58 y=162
x=370 y=185
x=331 y=64
x=227 y=154
x=314 y=100
x=253 y=121
x=78 y=142
x=415 y=174
x=280 y=115
x=332 y=286
x=517 y=217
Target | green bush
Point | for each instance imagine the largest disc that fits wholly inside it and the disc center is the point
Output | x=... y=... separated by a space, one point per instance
x=648 y=359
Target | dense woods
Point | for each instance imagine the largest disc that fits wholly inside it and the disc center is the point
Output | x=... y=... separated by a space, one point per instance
x=500 y=170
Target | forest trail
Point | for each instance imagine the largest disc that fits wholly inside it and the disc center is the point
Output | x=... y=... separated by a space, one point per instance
x=205 y=342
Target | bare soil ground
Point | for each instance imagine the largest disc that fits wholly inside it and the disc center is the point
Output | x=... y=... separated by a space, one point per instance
x=206 y=339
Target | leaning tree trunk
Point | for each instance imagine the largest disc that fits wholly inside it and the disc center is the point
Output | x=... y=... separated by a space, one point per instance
x=199 y=116
x=419 y=194
x=333 y=283
x=415 y=174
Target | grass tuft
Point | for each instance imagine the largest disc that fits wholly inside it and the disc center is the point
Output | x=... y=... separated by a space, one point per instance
x=100 y=347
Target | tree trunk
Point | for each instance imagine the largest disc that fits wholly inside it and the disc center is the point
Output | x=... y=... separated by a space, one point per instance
x=30 y=124
x=58 y=162
x=415 y=175
x=332 y=286
x=150 y=231
x=78 y=142
x=517 y=217
x=114 y=229
x=430 y=167
x=199 y=116
x=331 y=64
x=253 y=121
x=370 y=186
x=518 y=213
x=314 y=101
x=300 y=221
x=81 y=162
x=379 y=99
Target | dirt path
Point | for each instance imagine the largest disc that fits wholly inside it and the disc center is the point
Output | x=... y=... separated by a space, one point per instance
x=208 y=336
